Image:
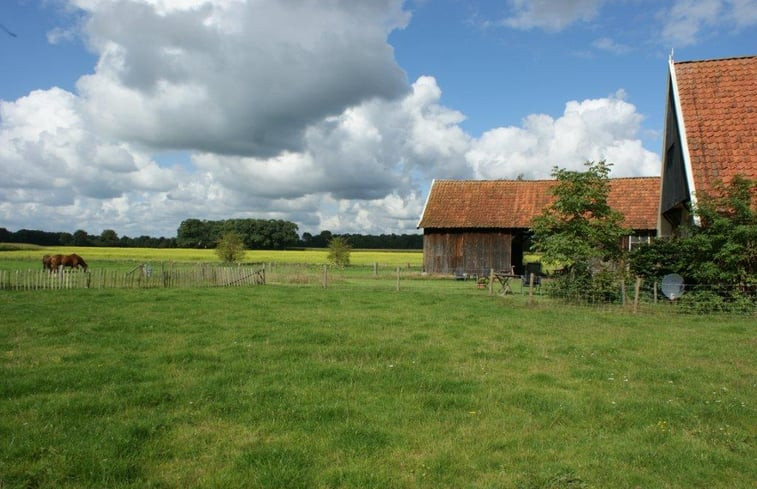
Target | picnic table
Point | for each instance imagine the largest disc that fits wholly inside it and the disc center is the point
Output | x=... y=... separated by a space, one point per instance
x=503 y=278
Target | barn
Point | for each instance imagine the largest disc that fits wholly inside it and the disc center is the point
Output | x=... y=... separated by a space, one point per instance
x=472 y=226
x=710 y=132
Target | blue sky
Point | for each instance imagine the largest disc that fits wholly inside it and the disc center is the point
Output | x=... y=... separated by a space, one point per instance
x=134 y=115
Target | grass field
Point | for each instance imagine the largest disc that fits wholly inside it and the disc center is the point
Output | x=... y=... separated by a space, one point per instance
x=438 y=386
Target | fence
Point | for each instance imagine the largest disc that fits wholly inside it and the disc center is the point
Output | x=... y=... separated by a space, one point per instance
x=142 y=276
x=637 y=294
x=632 y=295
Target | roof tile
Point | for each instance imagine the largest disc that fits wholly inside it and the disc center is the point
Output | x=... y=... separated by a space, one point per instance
x=514 y=203
x=719 y=106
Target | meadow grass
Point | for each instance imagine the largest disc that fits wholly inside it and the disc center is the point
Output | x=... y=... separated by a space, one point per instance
x=436 y=386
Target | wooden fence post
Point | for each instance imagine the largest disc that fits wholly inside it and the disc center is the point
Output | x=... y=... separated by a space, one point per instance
x=655 y=293
x=398 y=279
x=623 y=292
x=636 y=295
x=375 y=269
x=531 y=289
x=325 y=276
x=491 y=281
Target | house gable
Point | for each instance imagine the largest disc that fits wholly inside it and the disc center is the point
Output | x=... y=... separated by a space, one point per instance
x=711 y=131
x=674 y=194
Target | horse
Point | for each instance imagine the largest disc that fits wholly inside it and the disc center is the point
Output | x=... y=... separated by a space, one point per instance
x=52 y=262
x=73 y=260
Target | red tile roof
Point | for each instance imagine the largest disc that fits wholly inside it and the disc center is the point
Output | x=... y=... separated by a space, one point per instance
x=503 y=204
x=718 y=101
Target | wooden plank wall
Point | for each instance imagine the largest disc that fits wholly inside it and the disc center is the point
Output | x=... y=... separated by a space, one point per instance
x=468 y=251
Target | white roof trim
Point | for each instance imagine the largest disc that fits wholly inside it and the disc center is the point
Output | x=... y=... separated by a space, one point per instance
x=663 y=153
x=430 y=189
x=684 y=139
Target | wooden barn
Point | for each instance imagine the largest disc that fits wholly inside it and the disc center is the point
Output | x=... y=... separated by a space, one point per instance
x=472 y=226
x=710 y=132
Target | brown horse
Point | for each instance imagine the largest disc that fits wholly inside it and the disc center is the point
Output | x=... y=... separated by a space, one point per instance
x=73 y=260
x=46 y=262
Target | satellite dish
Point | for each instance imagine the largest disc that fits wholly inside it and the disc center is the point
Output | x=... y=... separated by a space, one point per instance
x=672 y=286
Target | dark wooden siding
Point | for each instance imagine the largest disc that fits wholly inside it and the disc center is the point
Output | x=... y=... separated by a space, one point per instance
x=675 y=190
x=469 y=251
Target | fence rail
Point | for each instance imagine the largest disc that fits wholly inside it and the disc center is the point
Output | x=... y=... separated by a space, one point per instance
x=140 y=277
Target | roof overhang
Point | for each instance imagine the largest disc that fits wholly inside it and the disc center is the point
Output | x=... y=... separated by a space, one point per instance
x=430 y=189
x=684 y=141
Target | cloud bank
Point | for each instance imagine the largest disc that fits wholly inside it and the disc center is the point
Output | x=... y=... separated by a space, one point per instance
x=285 y=110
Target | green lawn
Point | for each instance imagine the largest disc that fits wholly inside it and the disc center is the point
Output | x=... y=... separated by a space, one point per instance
x=437 y=386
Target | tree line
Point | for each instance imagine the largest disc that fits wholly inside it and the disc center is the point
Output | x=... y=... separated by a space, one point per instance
x=82 y=238
x=271 y=234
x=365 y=241
x=260 y=234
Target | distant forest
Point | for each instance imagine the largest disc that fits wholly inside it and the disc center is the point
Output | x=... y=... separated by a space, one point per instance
x=257 y=234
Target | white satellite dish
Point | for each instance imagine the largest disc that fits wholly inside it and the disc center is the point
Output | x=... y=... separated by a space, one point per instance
x=672 y=286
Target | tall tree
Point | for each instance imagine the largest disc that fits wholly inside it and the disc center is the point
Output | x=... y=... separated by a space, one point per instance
x=583 y=234
x=81 y=238
x=109 y=238
x=580 y=227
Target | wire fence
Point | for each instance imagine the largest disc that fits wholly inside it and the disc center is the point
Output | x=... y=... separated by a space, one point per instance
x=637 y=294
x=632 y=295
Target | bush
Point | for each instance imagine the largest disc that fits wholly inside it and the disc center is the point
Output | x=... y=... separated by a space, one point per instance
x=583 y=284
x=339 y=252
x=230 y=247
x=718 y=260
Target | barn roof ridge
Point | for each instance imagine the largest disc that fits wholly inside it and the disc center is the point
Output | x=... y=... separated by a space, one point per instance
x=513 y=203
x=710 y=60
x=638 y=177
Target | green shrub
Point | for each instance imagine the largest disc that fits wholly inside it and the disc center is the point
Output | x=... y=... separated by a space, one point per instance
x=718 y=259
x=230 y=248
x=339 y=251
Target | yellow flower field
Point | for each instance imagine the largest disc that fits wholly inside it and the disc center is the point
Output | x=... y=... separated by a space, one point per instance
x=310 y=256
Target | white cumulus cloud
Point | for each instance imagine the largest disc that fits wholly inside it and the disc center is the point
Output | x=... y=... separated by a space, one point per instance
x=284 y=110
x=594 y=129
x=688 y=21
x=550 y=15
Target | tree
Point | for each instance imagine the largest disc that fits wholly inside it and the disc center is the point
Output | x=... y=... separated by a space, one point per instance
x=81 y=238
x=230 y=247
x=580 y=231
x=109 y=238
x=194 y=233
x=728 y=234
x=580 y=226
x=721 y=254
x=339 y=251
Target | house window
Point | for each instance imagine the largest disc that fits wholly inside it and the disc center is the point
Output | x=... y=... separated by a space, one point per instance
x=639 y=240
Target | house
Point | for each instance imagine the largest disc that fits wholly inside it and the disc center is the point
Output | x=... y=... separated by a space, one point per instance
x=710 y=132
x=472 y=226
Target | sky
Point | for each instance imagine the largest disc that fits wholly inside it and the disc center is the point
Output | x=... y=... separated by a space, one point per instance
x=134 y=115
